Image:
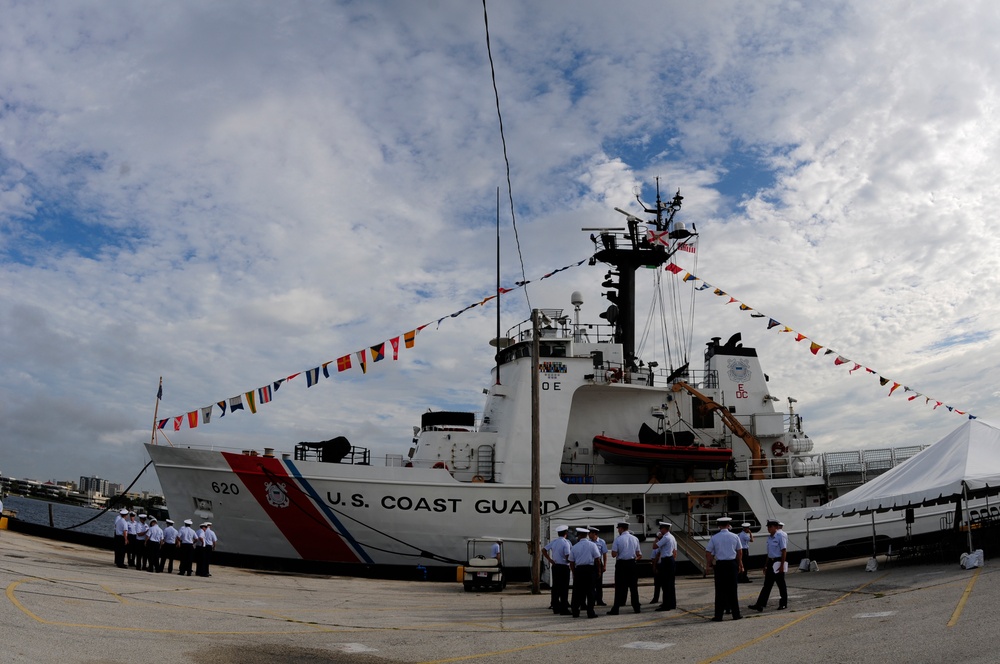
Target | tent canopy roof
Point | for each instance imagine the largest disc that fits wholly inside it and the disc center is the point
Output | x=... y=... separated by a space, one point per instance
x=965 y=462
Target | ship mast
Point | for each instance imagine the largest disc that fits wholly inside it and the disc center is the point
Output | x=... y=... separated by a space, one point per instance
x=626 y=253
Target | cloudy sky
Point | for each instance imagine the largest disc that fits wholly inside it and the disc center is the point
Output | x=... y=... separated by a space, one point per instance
x=224 y=194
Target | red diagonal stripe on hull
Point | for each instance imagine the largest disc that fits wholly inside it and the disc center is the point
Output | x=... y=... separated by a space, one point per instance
x=300 y=521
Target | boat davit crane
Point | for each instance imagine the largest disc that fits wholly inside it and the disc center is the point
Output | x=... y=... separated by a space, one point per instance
x=758 y=464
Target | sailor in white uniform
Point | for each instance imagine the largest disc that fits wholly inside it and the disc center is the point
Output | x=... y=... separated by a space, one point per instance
x=745 y=538
x=140 y=542
x=131 y=524
x=121 y=537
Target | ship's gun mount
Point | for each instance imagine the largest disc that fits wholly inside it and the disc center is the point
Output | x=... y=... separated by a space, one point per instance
x=757 y=463
x=335 y=450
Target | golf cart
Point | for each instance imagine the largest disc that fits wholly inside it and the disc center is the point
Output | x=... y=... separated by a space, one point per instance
x=484 y=570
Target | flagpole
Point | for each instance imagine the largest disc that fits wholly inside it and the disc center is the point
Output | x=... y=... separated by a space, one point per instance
x=498 y=287
x=156 y=412
x=536 y=457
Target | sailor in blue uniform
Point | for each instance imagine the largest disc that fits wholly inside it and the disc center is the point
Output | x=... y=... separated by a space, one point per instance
x=725 y=555
x=665 y=556
x=557 y=553
x=625 y=551
x=599 y=581
x=169 y=548
x=186 y=538
x=584 y=558
x=154 y=540
x=199 y=550
x=210 y=539
x=774 y=568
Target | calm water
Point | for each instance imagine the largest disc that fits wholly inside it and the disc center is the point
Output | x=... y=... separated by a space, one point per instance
x=31 y=510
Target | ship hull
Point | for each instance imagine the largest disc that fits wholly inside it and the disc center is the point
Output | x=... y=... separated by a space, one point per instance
x=369 y=516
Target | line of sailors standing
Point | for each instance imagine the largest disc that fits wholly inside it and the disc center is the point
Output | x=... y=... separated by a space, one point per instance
x=587 y=561
x=146 y=546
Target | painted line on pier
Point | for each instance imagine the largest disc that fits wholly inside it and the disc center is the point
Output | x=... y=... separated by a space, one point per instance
x=808 y=615
x=118 y=597
x=965 y=597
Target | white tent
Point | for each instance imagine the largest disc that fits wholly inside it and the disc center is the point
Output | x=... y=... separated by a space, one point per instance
x=963 y=464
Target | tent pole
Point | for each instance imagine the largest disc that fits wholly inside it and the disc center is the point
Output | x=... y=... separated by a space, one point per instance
x=967 y=520
x=808 y=554
x=873 y=533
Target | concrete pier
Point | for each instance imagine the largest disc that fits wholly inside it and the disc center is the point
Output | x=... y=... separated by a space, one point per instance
x=69 y=603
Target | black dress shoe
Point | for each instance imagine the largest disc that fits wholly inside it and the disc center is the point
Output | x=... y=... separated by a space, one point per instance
x=737 y=617
x=782 y=606
x=613 y=612
x=565 y=613
x=756 y=608
x=591 y=615
x=661 y=608
x=717 y=619
x=636 y=609
x=600 y=604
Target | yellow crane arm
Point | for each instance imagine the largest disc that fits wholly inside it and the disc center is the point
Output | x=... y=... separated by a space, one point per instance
x=758 y=463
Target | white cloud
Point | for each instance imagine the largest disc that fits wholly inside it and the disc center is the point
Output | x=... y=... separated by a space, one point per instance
x=224 y=194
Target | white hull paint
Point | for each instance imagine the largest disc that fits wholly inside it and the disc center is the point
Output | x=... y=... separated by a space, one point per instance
x=395 y=516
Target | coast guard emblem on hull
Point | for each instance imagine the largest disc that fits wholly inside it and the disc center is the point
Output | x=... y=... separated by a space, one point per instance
x=276 y=495
x=739 y=371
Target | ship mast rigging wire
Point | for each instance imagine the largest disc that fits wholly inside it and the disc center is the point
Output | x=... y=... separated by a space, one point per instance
x=506 y=161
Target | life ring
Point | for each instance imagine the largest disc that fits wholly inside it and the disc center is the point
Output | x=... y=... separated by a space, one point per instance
x=478 y=478
x=778 y=449
x=440 y=464
x=613 y=375
x=706 y=503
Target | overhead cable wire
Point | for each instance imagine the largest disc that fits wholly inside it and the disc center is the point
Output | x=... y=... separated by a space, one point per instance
x=503 y=141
